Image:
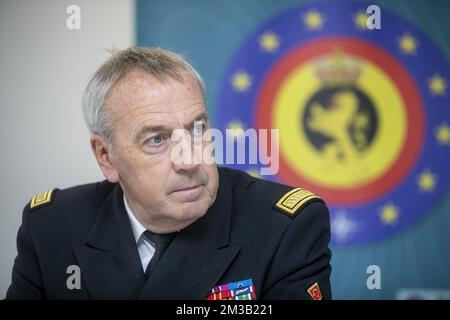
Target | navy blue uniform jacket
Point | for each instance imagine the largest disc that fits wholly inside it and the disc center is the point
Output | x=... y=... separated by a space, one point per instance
x=242 y=236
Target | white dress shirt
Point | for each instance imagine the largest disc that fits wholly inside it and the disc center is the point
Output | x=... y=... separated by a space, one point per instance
x=145 y=247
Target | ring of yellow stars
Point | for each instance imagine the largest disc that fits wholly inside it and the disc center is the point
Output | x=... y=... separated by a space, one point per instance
x=241 y=81
x=443 y=134
x=360 y=20
x=407 y=44
x=269 y=42
x=389 y=214
x=437 y=85
x=313 y=20
x=235 y=129
x=426 y=181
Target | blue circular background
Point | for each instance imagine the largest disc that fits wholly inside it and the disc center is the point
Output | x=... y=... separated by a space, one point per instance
x=427 y=61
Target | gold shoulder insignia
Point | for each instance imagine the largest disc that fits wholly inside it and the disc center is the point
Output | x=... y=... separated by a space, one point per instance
x=295 y=199
x=42 y=198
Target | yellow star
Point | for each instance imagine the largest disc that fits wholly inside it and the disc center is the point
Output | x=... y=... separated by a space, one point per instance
x=389 y=214
x=360 y=20
x=313 y=20
x=426 y=181
x=254 y=173
x=443 y=134
x=407 y=44
x=437 y=85
x=241 y=81
x=235 y=129
x=269 y=42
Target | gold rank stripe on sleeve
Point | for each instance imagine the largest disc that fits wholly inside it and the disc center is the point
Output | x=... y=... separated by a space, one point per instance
x=293 y=200
x=42 y=198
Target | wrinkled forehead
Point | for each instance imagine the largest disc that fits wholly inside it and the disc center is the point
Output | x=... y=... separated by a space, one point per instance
x=139 y=97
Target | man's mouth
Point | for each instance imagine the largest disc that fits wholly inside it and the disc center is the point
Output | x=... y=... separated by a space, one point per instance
x=188 y=188
x=189 y=193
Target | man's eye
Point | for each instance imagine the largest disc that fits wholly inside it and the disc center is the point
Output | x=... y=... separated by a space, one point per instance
x=156 y=140
x=198 y=128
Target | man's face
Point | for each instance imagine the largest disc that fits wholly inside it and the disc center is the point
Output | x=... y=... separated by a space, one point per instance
x=145 y=111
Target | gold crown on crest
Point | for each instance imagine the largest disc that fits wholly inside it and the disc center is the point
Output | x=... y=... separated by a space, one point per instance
x=338 y=69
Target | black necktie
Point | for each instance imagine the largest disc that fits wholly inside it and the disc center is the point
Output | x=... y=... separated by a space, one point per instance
x=160 y=243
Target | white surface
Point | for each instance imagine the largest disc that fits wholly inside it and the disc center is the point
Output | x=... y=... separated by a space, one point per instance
x=44 y=69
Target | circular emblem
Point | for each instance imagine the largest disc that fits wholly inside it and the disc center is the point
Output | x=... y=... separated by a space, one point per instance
x=328 y=85
x=362 y=114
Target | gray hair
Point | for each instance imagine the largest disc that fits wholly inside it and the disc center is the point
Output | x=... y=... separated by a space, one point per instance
x=155 y=61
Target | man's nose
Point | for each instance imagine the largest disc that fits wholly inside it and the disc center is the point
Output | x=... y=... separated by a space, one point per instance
x=190 y=154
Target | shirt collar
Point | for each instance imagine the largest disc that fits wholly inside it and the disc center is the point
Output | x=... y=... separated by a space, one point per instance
x=136 y=226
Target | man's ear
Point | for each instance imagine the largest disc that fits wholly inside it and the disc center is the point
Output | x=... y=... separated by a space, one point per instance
x=103 y=153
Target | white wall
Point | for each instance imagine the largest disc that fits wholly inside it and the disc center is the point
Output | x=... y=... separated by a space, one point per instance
x=44 y=68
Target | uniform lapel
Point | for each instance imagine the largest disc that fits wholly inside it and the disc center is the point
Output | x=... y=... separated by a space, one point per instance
x=198 y=256
x=109 y=260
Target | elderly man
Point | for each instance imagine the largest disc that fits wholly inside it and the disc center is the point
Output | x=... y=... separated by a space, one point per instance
x=163 y=229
